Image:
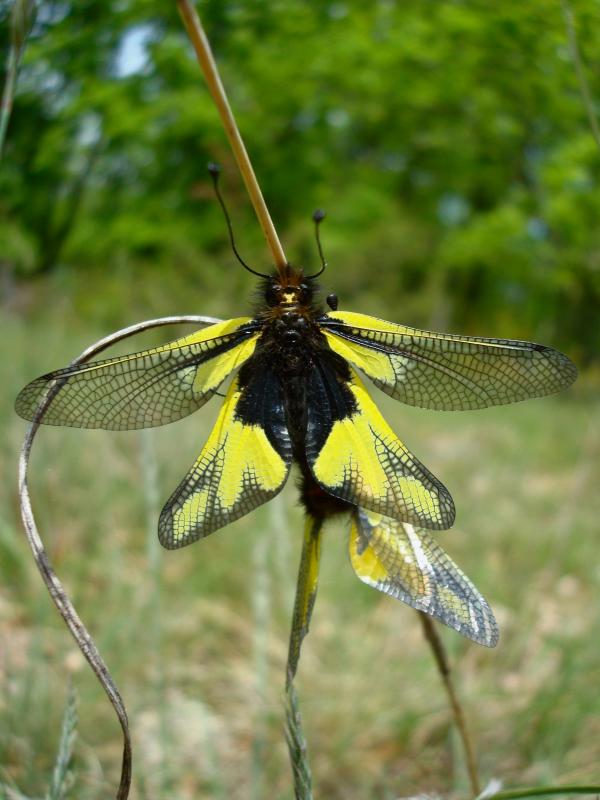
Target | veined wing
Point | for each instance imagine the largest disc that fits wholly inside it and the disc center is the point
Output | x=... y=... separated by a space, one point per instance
x=445 y=371
x=354 y=454
x=408 y=564
x=244 y=463
x=145 y=389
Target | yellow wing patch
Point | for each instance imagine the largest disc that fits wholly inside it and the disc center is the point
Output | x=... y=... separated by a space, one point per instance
x=208 y=334
x=445 y=371
x=407 y=563
x=211 y=374
x=358 y=458
x=365 y=322
x=241 y=466
x=373 y=363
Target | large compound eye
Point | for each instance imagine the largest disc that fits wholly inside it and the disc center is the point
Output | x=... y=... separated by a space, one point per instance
x=272 y=294
x=304 y=292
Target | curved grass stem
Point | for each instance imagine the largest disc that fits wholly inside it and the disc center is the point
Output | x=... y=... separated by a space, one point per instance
x=217 y=90
x=58 y=594
x=544 y=791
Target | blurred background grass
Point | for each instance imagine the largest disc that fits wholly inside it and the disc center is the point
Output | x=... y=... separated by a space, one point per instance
x=450 y=146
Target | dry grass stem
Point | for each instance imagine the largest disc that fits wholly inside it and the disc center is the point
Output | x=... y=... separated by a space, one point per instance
x=443 y=665
x=584 y=88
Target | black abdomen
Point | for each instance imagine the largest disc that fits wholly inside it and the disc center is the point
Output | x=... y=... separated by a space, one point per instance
x=293 y=347
x=315 y=500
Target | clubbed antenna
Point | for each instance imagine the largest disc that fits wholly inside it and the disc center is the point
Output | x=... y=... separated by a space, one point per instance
x=215 y=172
x=318 y=217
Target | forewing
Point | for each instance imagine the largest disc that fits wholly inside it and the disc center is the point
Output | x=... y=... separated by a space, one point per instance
x=145 y=389
x=408 y=564
x=444 y=371
x=354 y=454
x=244 y=463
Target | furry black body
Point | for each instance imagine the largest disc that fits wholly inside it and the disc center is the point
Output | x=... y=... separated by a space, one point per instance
x=293 y=360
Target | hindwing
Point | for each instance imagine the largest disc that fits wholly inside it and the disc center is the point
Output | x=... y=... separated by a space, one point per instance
x=244 y=463
x=145 y=389
x=408 y=564
x=444 y=371
x=354 y=454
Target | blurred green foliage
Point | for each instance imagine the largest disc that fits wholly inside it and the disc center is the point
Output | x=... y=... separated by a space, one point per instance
x=448 y=141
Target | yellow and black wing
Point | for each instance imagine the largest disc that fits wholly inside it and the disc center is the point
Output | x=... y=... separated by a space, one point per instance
x=353 y=454
x=145 y=389
x=244 y=463
x=444 y=371
x=408 y=564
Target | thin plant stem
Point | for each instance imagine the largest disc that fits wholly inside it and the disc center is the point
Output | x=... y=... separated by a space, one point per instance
x=306 y=593
x=584 y=88
x=261 y=613
x=217 y=91
x=443 y=665
x=21 y=19
x=149 y=470
x=297 y=747
x=12 y=66
x=58 y=595
x=61 y=775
